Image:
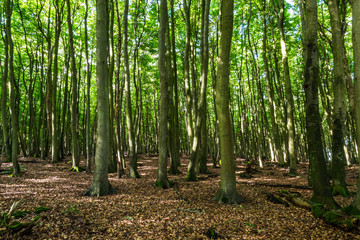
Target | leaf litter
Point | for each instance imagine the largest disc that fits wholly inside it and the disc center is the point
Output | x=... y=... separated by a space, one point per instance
x=139 y=210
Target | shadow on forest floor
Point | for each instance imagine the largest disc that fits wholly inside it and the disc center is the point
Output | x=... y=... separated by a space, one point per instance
x=139 y=210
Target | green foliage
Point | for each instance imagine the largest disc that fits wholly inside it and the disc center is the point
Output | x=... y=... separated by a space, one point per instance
x=7 y=225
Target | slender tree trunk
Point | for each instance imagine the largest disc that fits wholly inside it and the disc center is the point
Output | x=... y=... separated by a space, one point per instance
x=175 y=158
x=13 y=108
x=290 y=126
x=203 y=80
x=227 y=192
x=118 y=99
x=100 y=185
x=339 y=85
x=54 y=127
x=88 y=80
x=318 y=171
x=129 y=121
x=4 y=97
x=74 y=97
x=162 y=180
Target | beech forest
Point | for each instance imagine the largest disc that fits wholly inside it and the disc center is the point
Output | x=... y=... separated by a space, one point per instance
x=180 y=119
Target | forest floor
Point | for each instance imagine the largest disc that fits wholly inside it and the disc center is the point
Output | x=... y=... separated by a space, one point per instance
x=139 y=210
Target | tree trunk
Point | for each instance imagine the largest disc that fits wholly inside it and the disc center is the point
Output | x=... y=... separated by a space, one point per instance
x=74 y=98
x=54 y=127
x=356 y=49
x=318 y=171
x=203 y=80
x=339 y=87
x=88 y=79
x=100 y=185
x=13 y=108
x=162 y=180
x=129 y=121
x=4 y=97
x=290 y=126
x=227 y=192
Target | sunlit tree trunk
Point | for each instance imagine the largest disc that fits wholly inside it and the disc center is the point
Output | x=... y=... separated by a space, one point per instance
x=128 y=109
x=339 y=116
x=100 y=184
x=227 y=192
x=290 y=126
x=318 y=171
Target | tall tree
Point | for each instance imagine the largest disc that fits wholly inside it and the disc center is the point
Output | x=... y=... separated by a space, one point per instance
x=339 y=85
x=100 y=185
x=129 y=121
x=203 y=79
x=4 y=97
x=290 y=126
x=13 y=108
x=162 y=180
x=227 y=192
x=74 y=92
x=54 y=127
x=318 y=171
x=356 y=49
x=88 y=79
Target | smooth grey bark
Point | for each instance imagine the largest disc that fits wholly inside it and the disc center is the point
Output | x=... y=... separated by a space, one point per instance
x=356 y=50
x=128 y=109
x=162 y=180
x=318 y=170
x=339 y=115
x=227 y=191
x=74 y=121
x=100 y=185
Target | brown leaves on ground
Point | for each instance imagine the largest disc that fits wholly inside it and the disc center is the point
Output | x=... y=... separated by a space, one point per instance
x=139 y=210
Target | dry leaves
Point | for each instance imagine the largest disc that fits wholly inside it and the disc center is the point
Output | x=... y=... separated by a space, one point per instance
x=139 y=210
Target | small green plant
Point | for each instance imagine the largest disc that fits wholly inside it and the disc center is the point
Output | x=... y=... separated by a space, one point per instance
x=71 y=209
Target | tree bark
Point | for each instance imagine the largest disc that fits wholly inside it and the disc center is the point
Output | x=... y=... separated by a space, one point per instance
x=227 y=192
x=356 y=49
x=74 y=97
x=162 y=180
x=290 y=126
x=100 y=185
x=128 y=109
x=318 y=171
x=13 y=108
x=339 y=87
x=203 y=81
